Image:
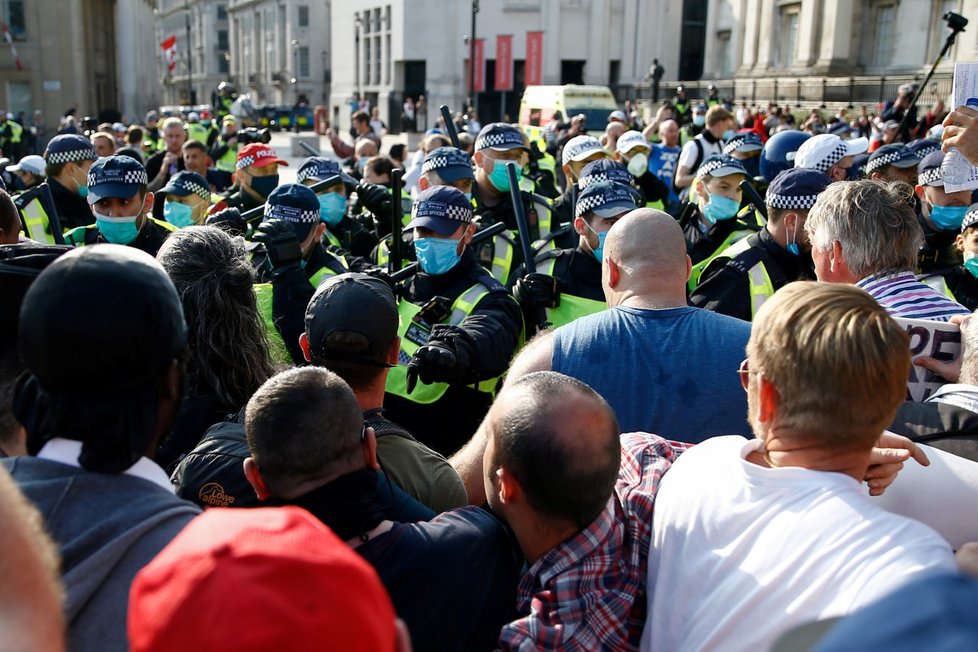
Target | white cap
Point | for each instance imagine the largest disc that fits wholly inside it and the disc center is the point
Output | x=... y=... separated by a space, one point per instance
x=617 y=115
x=579 y=148
x=823 y=151
x=32 y=163
x=630 y=140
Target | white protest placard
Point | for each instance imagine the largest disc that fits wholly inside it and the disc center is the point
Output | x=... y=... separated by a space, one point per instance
x=965 y=88
x=936 y=339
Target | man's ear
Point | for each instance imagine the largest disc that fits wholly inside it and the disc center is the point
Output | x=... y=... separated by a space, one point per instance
x=507 y=486
x=253 y=475
x=370 y=449
x=147 y=203
x=304 y=345
x=580 y=226
x=768 y=400
x=958 y=241
x=423 y=183
x=614 y=272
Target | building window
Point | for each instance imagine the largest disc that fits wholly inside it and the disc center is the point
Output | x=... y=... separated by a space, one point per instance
x=223 y=64
x=884 y=19
x=222 y=40
x=723 y=58
x=787 y=44
x=377 y=60
x=387 y=59
x=303 y=56
x=12 y=13
x=19 y=97
x=222 y=12
x=303 y=15
x=367 y=50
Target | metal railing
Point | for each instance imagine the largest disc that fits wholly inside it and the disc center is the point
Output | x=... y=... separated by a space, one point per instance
x=805 y=92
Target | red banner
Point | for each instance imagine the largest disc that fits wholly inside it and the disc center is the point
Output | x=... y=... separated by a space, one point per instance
x=480 y=66
x=169 y=47
x=504 y=62
x=534 y=58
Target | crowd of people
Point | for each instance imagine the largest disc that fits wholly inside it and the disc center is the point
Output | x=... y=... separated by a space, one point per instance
x=643 y=388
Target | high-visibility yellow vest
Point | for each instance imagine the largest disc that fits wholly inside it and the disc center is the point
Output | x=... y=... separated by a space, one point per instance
x=228 y=160
x=198 y=132
x=414 y=334
x=759 y=283
x=37 y=222
x=939 y=283
x=571 y=307
x=697 y=271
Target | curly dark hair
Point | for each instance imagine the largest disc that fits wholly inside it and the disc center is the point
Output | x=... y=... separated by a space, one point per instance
x=228 y=347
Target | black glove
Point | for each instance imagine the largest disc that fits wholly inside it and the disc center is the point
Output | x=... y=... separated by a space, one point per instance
x=376 y=199
x=228 y=220
x=433 y=363
x=280 y=243
x=538 y=291
x=377 y=272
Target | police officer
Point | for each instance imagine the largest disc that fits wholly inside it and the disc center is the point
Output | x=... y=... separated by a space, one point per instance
x=746 y=147
x=186 y=199
x=497 y=144
x=577 y=153
x=225 y=98
x=940 y=217
x=960 y=282
x=11 y=137
x=256 y=177
x=567 y=282
x=290 y=265
x=121 y=205
x=682 y=105
x=749 y=272
x=713 y=96
x=224 y=151
x=716 y=222
x=68 y=158
x=633 y=150
x=28 y=172
x=197 y=130
x=459 y=328
x=893 y=162
x=343 y=233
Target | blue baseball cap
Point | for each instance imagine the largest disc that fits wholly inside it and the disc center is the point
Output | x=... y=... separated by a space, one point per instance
x=745 y=141
x=605 y=169
x=185 y=183
x=929 y=170
x=295 y=204
x=924 y=146
x=721 y=165
x=115 y=176
x=449 y=163
x=970 y=218
x=895 y=154
x=796 y=188
x=320 y=168
x=605 y=199
x=442 y=209
x=68 y=148
x=500 y=136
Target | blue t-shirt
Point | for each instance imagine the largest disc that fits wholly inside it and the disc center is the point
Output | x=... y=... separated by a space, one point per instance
x=670 y=372
x=662 y=163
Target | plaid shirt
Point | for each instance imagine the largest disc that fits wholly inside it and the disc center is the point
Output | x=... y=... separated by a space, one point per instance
x=588 y=593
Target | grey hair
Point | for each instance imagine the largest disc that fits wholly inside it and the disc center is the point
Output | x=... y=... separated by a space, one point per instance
x=228 y=347
x=874 y=222
x=969 y=352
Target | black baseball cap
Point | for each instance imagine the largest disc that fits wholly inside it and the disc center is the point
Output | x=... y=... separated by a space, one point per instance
x=353 y=303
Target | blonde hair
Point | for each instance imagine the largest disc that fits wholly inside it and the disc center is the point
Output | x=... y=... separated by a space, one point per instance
x=715 y=114
x=838 y=361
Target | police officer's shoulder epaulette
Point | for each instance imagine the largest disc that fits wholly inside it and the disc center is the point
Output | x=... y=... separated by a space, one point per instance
x=536 y=198
x=746 y=259
x=481 y=275
x=549 y=254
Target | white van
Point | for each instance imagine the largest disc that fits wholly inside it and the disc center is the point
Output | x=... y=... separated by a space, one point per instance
x=539 y=103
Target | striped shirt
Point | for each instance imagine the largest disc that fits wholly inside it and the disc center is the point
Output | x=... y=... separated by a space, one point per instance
x=902 y=295
x=588 y=593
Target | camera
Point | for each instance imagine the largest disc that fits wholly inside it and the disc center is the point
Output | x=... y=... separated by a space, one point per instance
x=956 y=22
x=252 y=135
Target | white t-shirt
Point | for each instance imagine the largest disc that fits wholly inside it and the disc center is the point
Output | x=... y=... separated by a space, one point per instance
x=741 y=553
x=687 y=157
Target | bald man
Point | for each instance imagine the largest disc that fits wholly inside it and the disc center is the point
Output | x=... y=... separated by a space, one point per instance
x=664 y=367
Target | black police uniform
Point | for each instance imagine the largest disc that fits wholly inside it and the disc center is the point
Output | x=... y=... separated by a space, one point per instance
x=352 y=236
x=939 y=250
x=503 y=212
x=724 y=286
x=155 y=162
x=72 y=209
x=577 y=269
x=700 y=245
x=486 y=338
x=239 y=199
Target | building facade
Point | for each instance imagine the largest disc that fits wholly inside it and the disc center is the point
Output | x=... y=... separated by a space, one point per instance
x=89 y=54
x=202 y=50
x=280 y=50
x=390 y=50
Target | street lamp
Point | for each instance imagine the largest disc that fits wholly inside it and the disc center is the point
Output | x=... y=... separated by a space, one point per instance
x=190 y=63
x=357 y=23
x=475 y=10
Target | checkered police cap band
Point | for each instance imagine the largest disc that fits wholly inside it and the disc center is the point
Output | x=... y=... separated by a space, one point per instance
x=448 y=161
x=875 y=163
x=739 y=141
x=927 y=177
x=68 y=156
x=127 y=177
x=716 y=163
x=589 y=203
x=441 y=210
x=244 y=162
x=501 y=138
x=318 y=170
x=970 y=219
x=251 y=159
x=616 y=174
x=197 y=189
x=790 y=202
x=291 y=214
x=837 y=154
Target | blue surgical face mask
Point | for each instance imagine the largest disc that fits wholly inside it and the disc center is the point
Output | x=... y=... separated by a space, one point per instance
x=177 y=214
x=83 y=187
x=468 y=196
x=436 y=255
x=699 y=120
x=971 y=263
x=728 y=134
x=792 y=246
x=720 y=208
x=332 y=208
x=117 y=230
x=264 y=185
x=499 y=177
x=599 y=250
x=361 y=164
x=948 y=218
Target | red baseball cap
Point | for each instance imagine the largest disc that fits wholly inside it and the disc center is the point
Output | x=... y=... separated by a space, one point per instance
x=271 y=578
x=257 y=154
